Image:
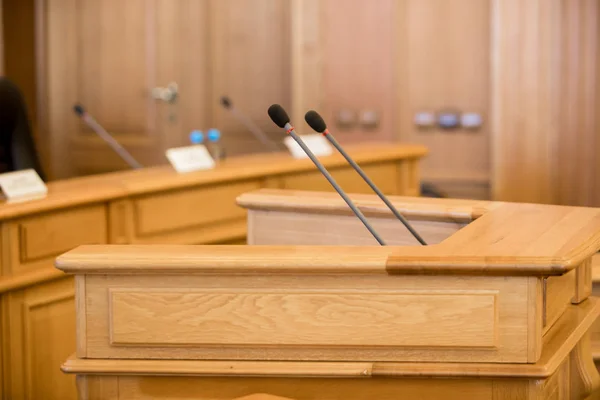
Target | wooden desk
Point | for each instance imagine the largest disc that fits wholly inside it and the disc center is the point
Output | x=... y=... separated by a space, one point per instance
x=501 y=306
x=153 y=205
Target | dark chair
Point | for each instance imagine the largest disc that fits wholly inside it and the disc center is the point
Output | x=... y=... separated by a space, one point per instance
x=17 y=147
x=429 y=190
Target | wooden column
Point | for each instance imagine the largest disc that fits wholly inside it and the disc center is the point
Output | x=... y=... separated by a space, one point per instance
x=543 y=97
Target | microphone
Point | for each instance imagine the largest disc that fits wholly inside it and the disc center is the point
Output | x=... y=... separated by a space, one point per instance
x=316 y=122
x=281 y=119
x=120 y=150
x=258 y=133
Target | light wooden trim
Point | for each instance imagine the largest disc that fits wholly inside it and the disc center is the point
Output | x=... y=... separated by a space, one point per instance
x=512 y=239
x=534 y=319
x=80 y=310
x=596 y=268
x=561 y=340
x=583 y=281
x=232 y=259
x=262 y=396
x=450 y=210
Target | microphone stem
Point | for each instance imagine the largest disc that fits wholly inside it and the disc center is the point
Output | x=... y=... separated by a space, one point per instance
x=258 y=133
x=120 y=150
x=333 y=183
x=375 y=188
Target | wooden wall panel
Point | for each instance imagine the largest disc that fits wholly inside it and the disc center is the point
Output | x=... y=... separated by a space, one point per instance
x=307 y=57
x=57 y=92
x=443 y=64
x=545 y=74
x=524 y=100
x=113 y=63
x=596 y=166
x=343 y=61
x=115 y=73
x=576 y=155
x=358 y=69
x=250 y=53
x=528 y=67
x=181 y=55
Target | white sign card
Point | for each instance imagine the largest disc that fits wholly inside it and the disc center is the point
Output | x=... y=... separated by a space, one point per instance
x=22 y=185
x=190 y=158
x=316 y=143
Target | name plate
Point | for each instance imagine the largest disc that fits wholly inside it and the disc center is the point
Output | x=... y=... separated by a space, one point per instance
x=316 y=143
x=22 y=186
x=190 y=158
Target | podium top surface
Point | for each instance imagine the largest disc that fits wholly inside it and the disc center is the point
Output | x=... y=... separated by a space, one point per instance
x=413 y=208
x=501 y=239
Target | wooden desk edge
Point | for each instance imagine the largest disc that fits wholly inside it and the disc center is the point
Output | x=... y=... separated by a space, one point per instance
x=145 y=259
x=163 y=178
x=9 y=283
x=75 y=191
x=562 y=339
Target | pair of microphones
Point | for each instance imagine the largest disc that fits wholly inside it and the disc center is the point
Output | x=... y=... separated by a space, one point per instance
x=280 y=117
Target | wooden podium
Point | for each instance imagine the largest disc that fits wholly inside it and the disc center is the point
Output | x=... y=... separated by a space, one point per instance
x=498 y=307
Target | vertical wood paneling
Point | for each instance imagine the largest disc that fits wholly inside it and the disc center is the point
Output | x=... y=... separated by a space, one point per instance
x=578 y=126
x=113 y=76
x=59 y=71
x=307 y=57
x=250 y=61
x=113 y=63
x=596 y=166
x=591 y=98
x=544 y=91
x=396 y=57
x=442 y=64
x=182 y=56
x=358 y=66
x=522 y=101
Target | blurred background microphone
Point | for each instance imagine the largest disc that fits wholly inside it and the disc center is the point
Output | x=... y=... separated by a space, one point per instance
x=258 y=133
x=116 y=146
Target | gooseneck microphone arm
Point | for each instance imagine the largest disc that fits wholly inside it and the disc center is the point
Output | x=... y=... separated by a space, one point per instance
x=280 y=118
x=317 y=123
x=258 y=133
x=100 y=131
x=333 y=183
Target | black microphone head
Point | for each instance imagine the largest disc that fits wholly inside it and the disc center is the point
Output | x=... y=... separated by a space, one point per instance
x=78 y=108
x=278 y=115
x=315 y=121
x=226 y=102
